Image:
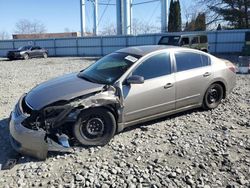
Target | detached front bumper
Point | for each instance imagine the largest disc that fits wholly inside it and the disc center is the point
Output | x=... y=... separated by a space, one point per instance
x=24 y=140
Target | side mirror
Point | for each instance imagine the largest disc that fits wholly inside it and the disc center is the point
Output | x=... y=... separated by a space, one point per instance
x=135 y=79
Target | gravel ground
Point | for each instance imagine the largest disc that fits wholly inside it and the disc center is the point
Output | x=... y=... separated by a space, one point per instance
x=192 y=149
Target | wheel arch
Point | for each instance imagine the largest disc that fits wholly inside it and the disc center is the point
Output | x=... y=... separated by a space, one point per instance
x=223 y=86
x=110 y=108
x=204 y=50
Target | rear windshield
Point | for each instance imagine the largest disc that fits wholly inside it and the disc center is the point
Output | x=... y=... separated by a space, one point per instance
x=170 y=40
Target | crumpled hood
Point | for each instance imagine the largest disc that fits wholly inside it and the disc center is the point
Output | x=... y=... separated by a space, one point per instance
x=60 y=89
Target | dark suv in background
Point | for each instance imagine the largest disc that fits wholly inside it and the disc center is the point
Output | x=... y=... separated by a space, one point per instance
x=195 y=41
x=26 y=52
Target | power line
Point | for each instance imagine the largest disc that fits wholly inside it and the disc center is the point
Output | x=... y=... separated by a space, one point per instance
x=154 y=11
x=101 y=3
x=151 y=1
x=105 y=9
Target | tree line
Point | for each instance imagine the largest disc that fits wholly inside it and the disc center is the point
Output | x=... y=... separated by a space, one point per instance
x=229 y=14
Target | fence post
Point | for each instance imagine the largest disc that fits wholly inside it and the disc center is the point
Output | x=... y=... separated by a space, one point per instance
x=77 y=50
x=102 y=46
x=55 y=45
x=126 y=37
x=155 y=42
x=216 y=42
x=13 y=44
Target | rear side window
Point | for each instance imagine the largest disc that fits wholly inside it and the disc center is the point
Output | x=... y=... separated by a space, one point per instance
x=205 y=60
x=203 y=39
x=188 y=60
x=195 y=40
x=185 y=41
x=35 y=48
x=155 y=66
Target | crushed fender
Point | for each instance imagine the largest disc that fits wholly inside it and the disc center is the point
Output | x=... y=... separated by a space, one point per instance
x=99 y=99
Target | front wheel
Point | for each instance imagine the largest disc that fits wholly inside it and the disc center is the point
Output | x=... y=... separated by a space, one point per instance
x=45 y=55
x=213 y=96
x=26 y=56
x=95 y=127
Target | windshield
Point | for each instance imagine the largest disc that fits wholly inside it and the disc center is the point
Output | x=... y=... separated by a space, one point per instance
x=109 y=68
x=22 y=48
x=170 y=40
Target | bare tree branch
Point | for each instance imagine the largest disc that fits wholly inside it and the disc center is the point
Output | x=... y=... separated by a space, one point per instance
x=4 y=35
x=108 y=30
x=25 y=26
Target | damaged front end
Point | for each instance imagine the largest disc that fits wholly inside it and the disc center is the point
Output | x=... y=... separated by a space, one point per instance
x=35 y=132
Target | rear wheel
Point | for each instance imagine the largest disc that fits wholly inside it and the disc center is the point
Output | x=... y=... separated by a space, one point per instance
x=26 y=56
x=95 y=127
x=45 y=55
x=213 y=96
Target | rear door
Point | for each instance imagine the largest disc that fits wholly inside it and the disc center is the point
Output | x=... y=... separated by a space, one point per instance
x=156 y=94
x=33 y=52
x=195 y=43
x=193 y=75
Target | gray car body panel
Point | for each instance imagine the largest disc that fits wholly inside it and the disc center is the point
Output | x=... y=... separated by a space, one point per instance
x=135 y=103
x=63 y=88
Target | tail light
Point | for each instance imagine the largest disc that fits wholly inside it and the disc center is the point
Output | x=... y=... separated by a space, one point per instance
x=231 y=66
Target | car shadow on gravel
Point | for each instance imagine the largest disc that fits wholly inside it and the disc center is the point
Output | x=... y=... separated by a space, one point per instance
x=8 y=156
x=143 y=126
x=6 y=150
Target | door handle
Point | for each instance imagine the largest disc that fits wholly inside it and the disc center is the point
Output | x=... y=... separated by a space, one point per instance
x=168 y=85
x=206 y=74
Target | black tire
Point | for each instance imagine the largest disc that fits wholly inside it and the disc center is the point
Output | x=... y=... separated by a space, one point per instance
x=45 y=55
x=213 y=96
x=95 y=127
x=26 y=56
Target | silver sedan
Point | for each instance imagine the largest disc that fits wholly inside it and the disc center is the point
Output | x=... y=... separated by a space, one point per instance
x=127 y=87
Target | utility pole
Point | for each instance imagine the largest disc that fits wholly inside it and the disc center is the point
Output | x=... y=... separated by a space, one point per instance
x=119 y=17
x=82 y=17
x=95 y=18
x=126 y=14
x=164 y=16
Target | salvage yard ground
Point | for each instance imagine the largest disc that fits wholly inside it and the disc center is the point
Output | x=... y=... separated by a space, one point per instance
x=192 y=149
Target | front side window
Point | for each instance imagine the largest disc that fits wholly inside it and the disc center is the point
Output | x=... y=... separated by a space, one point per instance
x=155 y=66
x=187 y=60
x=169 y=40
x=109 y=68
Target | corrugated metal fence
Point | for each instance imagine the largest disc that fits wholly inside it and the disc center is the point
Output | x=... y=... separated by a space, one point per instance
x=228 y=41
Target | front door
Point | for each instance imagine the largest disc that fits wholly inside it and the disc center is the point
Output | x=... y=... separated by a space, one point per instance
x=156 y=94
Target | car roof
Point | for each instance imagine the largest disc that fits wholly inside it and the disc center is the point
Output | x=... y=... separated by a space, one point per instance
x=185 y=35
x=144 y=50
